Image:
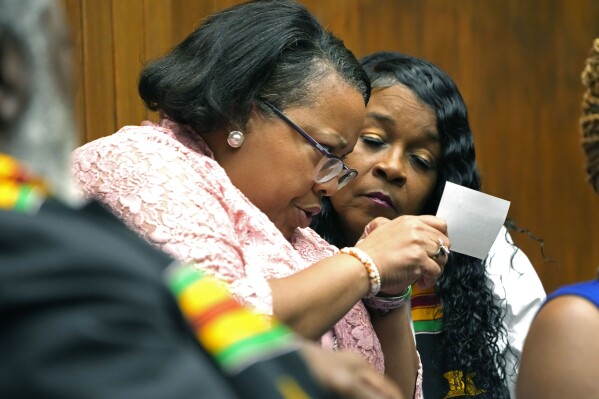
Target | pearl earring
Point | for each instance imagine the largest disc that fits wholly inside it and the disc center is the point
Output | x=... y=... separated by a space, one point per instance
x=235 y=139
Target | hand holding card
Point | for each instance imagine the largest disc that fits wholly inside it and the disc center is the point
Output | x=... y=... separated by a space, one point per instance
x=473 y=219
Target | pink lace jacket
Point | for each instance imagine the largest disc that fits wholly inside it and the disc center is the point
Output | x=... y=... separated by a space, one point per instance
x=163 y=181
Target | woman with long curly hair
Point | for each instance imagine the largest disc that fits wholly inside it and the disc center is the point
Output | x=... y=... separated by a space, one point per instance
x=471 y=325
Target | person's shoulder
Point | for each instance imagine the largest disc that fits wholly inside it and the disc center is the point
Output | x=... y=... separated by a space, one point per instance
x=560 y=353
x=146 y=132
x=34 y=222
x=140 y=149
x=66 y=237
x=569 y=307
x=564 y=310
x=586 y=290
x=565 y=321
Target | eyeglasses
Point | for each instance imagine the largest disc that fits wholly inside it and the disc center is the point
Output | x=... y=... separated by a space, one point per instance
x=330 y=166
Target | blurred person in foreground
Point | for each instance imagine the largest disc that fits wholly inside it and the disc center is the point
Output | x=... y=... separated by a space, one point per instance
x=561 y=352
x=90 y=310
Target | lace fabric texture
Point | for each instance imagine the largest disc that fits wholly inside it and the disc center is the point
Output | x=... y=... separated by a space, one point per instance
x=163 y=181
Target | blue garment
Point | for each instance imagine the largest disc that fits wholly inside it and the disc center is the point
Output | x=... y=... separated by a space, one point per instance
x=588 y=290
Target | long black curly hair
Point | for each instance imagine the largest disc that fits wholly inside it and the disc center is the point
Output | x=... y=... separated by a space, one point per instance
x=473 y=329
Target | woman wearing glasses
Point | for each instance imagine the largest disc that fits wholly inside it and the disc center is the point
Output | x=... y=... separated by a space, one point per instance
x=259 y=106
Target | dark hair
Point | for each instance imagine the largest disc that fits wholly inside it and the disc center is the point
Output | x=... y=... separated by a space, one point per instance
x=437 y=90
x=273 y=50
x=472 y=321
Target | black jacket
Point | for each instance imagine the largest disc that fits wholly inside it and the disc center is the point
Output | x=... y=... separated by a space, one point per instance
x=84 y=313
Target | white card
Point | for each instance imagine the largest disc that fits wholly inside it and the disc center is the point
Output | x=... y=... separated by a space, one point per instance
x=473 y=219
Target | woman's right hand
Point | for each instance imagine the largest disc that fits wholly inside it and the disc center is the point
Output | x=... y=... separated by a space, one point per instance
x=404 y=250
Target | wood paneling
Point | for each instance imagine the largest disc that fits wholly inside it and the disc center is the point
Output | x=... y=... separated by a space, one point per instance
x=128 y=56
x=517 y=63
x=74 y=18
x=98 y=49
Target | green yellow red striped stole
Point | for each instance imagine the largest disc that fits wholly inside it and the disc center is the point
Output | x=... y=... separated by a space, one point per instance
x=427 y=314
x=20 y=190
x=233 y=334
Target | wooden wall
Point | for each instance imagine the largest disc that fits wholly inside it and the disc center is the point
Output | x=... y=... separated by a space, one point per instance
x=517 y=63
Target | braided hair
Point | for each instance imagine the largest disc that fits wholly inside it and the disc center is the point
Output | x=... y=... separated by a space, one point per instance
x=589 y=120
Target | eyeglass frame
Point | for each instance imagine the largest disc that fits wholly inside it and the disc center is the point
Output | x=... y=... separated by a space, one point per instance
x=345 y=169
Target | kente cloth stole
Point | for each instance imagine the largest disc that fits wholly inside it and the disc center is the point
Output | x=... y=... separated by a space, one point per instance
x=427 y=313
x=20 y=190
x=233 y=334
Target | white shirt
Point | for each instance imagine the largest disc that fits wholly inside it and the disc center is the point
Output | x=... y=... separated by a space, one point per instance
x=518 y=290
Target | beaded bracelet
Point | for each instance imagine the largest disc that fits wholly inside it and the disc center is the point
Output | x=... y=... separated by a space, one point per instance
x=385 y=304
x=373 y=271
